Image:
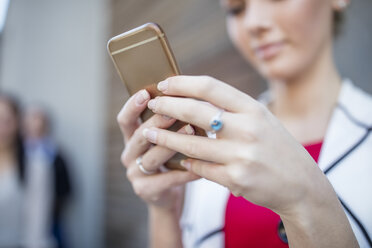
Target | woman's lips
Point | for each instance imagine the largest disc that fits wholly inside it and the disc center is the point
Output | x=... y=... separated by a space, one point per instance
x=268 y=51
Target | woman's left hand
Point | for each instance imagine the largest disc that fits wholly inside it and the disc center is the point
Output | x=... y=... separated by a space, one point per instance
x=252 y=155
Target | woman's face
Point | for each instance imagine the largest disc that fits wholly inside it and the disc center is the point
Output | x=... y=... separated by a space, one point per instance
x=8 y=125
x=281 y=38
x=35 y=123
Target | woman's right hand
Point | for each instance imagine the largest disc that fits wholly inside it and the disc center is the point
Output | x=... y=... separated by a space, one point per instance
x=161 y=190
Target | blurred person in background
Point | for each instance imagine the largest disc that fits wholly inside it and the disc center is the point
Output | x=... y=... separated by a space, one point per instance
x=49 y=175
x=12 y=165
x=34 y=181
x=261 y=185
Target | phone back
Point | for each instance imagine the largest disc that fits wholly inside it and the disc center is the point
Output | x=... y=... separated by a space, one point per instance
x=142 y=57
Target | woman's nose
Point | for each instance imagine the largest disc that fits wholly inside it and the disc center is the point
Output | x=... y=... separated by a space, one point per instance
x=257 y=19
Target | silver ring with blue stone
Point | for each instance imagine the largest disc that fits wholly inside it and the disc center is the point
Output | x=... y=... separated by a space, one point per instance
x=216 y=123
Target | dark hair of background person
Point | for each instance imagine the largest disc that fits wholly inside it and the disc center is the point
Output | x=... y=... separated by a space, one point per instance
x=338 y=19
x=19 y=148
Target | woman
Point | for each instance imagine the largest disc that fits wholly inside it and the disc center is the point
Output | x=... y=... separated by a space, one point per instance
x=11 y=166
x=257 y=151
x=51 y=181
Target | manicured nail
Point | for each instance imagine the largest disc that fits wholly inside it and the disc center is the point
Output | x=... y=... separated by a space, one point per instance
x=189 y=129
x=163 y=85
x=152 y=103
x=186 y=164
x=150 y=134
x=142 y=97
x=166 y=117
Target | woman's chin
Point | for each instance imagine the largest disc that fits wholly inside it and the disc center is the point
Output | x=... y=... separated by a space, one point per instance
x=276 y=71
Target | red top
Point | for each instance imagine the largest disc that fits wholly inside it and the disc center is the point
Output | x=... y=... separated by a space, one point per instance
x=249 y=225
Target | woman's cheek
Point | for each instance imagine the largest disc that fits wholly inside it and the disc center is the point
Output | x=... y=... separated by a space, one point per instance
x=308 y=28
x=238 y=36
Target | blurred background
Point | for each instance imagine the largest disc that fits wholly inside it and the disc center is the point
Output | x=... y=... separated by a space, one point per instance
x=53 y=54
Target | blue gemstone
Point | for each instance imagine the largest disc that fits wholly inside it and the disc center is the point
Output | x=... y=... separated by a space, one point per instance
x=216 y=125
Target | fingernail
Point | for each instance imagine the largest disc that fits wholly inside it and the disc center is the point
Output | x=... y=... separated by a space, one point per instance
x=152 y=103
x=166 y=117
x=186 y=164
x=150 y=134
x=189 y=129
x=142 y=97
x=163 y=85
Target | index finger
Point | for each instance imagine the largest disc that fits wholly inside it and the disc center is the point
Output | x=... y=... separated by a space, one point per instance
x=214 y=150
x=208 y=89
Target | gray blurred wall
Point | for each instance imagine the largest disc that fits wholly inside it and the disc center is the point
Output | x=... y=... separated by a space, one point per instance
x=54 y=53
x=353 y=49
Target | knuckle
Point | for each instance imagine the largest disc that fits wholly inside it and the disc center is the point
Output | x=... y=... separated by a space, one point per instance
x=208 y=83
x=241 y=155
x=130 y=174
x=207 y=79
x=120 y=118
x=245 y=154
x=123 y=121
x=137 y=132
x=202 y=170
x=233 y=175
x=237 y=178
x=138 y=188
x=196 y=168
x=157 y=121
x=124 y=158
x=243 y=132
x=140 y=140
x=150 y=162
x=162 y=140
x=123 y=113
x=235 y=188
x=187 y=115
x=191 y=149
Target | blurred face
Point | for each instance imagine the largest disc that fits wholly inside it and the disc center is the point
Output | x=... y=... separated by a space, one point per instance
x=35 y=124
x=8 y=125
x=281 y=38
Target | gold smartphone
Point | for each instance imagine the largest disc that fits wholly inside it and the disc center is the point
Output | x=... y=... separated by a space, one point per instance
x=143 y=58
